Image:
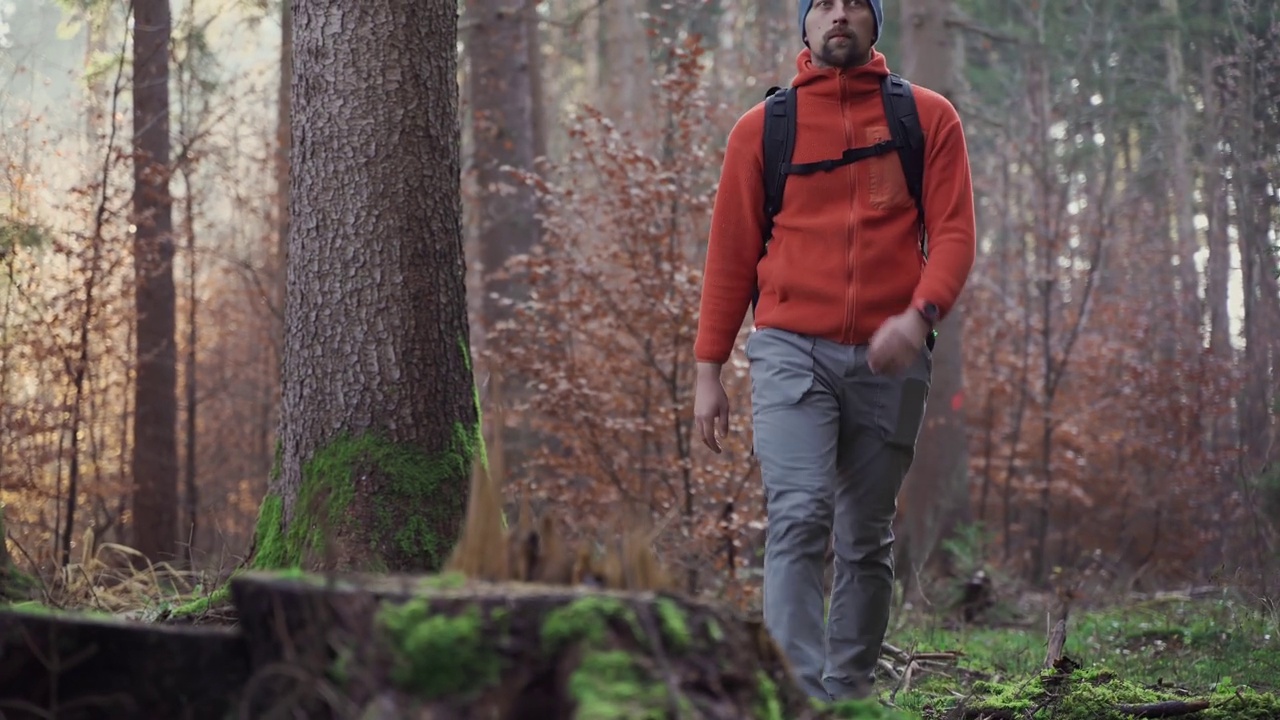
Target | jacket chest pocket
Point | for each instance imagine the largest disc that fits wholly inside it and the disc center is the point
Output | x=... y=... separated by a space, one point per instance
x=887 y=186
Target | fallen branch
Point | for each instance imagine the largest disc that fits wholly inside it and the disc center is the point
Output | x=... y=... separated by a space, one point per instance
x=904 y=657
x=906 y=679
x=1168 y=708
x=1201 y=592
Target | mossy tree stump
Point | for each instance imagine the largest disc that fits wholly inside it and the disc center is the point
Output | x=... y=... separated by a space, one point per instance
x=442 y=649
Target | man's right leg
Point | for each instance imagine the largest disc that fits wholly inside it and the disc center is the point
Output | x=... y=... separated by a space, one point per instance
x=796 y=421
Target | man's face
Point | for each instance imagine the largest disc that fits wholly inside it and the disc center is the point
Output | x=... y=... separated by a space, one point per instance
x=840 y=32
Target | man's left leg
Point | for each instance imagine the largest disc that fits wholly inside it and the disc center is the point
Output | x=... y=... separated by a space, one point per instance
x=880 y=420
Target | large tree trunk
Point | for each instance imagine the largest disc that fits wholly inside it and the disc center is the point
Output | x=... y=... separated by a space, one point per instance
x=936 y=491
x=378 y=418
x=155 y=447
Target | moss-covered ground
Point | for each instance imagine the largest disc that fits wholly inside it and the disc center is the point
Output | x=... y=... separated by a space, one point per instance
x=1223 y=651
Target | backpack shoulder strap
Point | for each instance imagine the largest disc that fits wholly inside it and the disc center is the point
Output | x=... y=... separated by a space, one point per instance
x=908 y=136
x=779 y=141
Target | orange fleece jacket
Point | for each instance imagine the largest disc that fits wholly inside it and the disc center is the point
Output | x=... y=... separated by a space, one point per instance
x=845 y=253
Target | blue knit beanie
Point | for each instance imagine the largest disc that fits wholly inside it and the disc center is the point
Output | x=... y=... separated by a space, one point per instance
x=876 y=9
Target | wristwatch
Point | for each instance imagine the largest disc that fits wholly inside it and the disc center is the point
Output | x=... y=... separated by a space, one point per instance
x=930 y=312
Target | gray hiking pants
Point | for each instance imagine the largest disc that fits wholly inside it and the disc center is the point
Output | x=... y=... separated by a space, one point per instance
x=834 y=442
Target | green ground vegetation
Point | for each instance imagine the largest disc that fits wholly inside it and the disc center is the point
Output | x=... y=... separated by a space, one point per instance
x=1225 y=651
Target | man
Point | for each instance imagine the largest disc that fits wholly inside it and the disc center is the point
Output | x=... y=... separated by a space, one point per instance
x=840 y=367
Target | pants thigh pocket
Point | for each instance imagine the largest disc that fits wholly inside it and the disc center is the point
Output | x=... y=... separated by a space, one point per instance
x=781 y=368
x=913 y=396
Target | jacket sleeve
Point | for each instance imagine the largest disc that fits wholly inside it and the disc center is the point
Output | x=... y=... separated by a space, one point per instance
x=735 y=242
x=949 y=208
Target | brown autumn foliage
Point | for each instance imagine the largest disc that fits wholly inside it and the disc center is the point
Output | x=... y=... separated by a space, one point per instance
x=1135 y=472
x=67 y=354
x=605 y=341
x=64 y=361
x=1101 y=426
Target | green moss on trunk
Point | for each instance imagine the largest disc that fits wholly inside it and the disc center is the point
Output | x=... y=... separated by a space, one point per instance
x=413 y=480
x=271 y=551
x=398 y=525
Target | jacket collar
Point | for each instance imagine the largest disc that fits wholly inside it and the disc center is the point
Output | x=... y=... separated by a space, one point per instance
x=835 y=84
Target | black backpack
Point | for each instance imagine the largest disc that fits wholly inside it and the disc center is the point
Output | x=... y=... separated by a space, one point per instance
x=779 y=141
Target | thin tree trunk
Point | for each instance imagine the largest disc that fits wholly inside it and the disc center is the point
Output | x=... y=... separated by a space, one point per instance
x=626 y=73
x=79 y=371
x=154 y=461
x=537 y=92
x=504 y=129
x=1180 y=174
x=1250 y=189
x=191 y=497
x=1219 y=275
x=1045 y=258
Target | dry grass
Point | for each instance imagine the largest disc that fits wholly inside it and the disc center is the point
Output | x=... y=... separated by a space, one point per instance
x=118 y=580
x=537 y=550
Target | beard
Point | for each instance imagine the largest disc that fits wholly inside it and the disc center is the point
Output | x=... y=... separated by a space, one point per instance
x=841 y=51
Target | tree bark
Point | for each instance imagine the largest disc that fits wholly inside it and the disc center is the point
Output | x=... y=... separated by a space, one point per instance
x=155 y=447
x=378 y=417
x=537 y=92
x=936 y=490
x=284 y=142
x=1250 y=187
x=626 y=74
x=191 y=494
x=504 y=130
x=505 y=135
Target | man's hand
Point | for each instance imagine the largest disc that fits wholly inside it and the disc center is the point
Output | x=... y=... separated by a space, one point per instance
x=710 y=405
x=897 y=343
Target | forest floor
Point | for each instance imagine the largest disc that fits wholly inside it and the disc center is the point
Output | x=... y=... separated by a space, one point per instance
x=1152 y=658
x=1201 y=656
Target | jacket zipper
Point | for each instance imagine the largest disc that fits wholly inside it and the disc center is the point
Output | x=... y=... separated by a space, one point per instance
x=851 y=265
